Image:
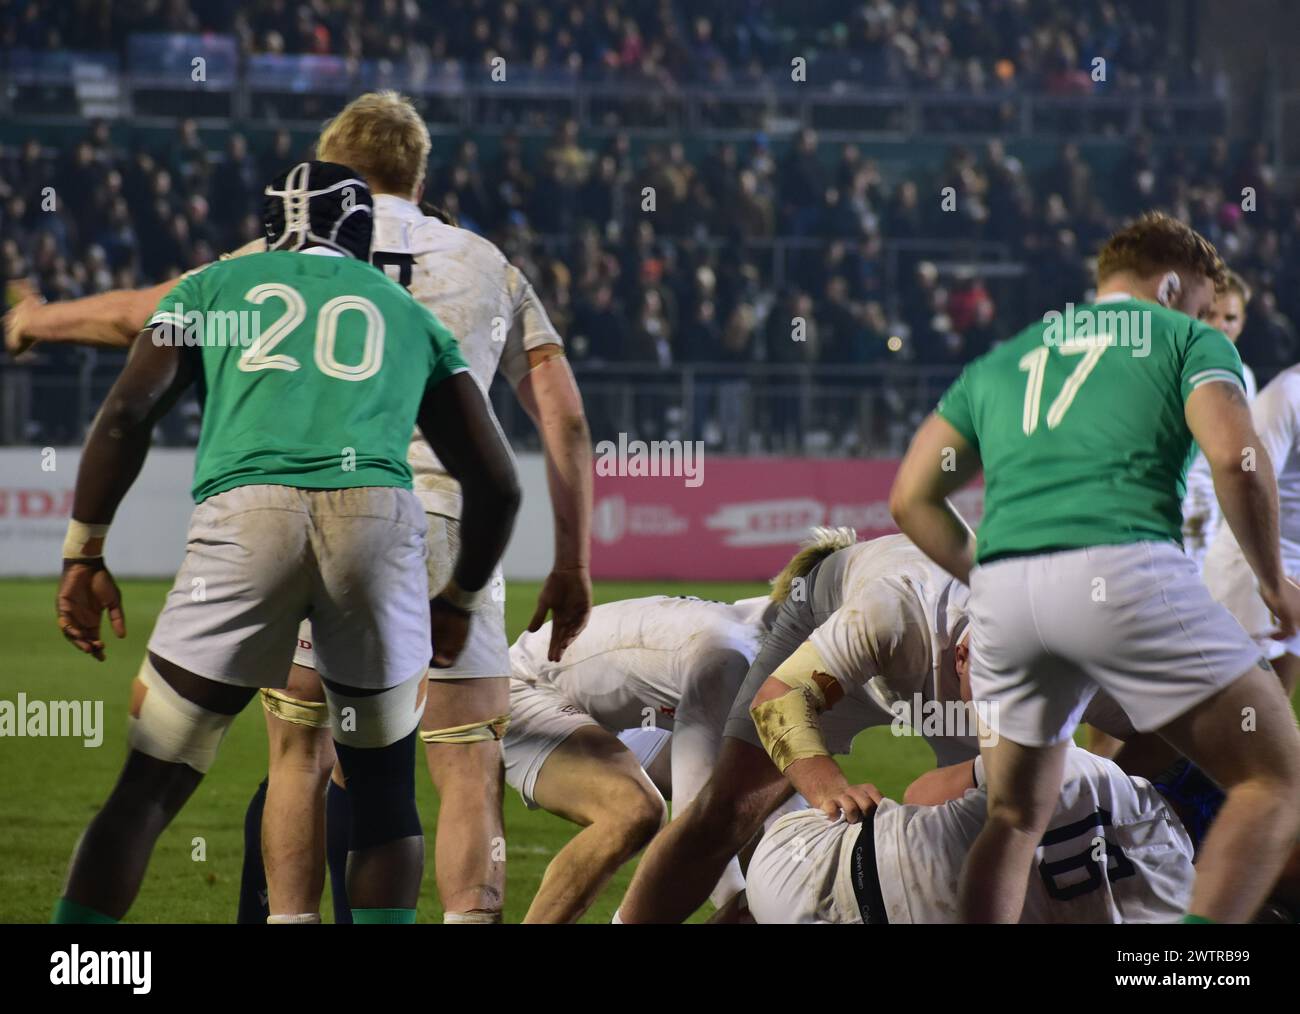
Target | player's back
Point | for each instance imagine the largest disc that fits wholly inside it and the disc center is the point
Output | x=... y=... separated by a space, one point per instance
x=482 y=298
x=326 y=391
x=1113 y=852
x=1079 y=423
x=1276 y=412
x=638 y=652
x=885 y=605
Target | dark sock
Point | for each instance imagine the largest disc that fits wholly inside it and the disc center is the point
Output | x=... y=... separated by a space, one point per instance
x=253 y=904
x=338 y=825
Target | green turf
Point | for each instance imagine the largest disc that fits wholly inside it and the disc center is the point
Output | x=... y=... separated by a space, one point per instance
x=52 y=786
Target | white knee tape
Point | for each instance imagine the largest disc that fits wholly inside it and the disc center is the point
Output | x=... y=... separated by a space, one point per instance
x=170 y=728
x=477 y=917
x=378 y=720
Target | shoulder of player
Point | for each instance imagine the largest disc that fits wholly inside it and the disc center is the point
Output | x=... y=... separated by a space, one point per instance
x=467 y=242
x=1284 y=389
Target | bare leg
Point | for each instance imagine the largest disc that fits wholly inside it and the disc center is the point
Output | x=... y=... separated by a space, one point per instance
x=1145 y=755
x=110 y=860
x=1024 y=785
x=1103 y=744
x=469 y=853
x=293 y=820
x=685 y=860
x=1245 y=738
x=592 y=780
x=1288 y=671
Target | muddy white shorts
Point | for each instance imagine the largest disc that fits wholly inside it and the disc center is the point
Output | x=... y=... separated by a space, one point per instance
x=486 y=652
x=262 y=558
x=1134 y=620
x=541 y=719
x=1233 y=583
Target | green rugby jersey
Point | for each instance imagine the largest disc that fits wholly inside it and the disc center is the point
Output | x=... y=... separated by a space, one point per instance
x=323 y=392
x=1083 y=439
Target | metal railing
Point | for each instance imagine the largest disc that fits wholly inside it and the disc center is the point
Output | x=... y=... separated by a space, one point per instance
x=160 y=80
x=734 y=408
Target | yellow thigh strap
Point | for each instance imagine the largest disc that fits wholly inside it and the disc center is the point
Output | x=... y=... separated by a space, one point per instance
x=313 y=714
x=474 y=732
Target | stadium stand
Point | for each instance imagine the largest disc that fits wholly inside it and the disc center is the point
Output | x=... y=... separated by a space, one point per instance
x=679 y=320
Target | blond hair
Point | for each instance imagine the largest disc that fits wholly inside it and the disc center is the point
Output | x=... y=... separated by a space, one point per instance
x=820 y=544
x=1235 y=283
x=384 y=138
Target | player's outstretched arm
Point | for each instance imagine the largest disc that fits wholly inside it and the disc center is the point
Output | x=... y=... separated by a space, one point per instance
x=787 y=711
x=456 y=422
x=1219 y=417
x=939 y=462
x=155 y=375
x=110 y=319
x=549 y=394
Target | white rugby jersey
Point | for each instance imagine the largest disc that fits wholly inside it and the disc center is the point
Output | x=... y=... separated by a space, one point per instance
x=897 y=617
x=1201 y=503
x=1276 y=413
x=659 y=653
x=920 y=850
x=482 y=299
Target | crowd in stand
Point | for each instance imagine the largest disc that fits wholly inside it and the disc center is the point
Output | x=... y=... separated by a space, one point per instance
x=769 y=251
x=694 y=279
x=1047 y=45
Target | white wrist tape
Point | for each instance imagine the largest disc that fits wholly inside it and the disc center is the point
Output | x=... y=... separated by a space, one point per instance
x=83 y=541
x=461 y=599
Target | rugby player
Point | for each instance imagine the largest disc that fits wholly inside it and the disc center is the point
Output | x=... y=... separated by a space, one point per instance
x=664 y=668
x=1228 y=574
x=304 y=507
x=870 y=629
x=1114 y=851
x=1078 y=580
x=501 y=326
x=1201 y=516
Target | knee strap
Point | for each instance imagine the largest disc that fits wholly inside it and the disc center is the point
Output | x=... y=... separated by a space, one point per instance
x=313 y=714
x=166 y=726
x=474 y=732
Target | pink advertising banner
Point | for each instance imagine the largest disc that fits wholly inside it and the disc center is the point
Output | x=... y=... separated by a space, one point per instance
x=741 y=519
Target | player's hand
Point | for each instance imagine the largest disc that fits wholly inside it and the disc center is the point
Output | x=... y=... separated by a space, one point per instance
x=567 y=596
x=21 y=298
x=854 y=802
x=1284 y=603
x=448 y=628
x=85 y=591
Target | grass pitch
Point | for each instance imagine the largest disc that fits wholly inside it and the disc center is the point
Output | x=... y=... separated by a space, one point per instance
x=52 y=786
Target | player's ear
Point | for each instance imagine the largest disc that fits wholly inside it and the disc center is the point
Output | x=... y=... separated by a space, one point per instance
x=1170 y=286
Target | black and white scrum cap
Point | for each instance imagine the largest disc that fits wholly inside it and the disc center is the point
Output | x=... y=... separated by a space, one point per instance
x=321 y=203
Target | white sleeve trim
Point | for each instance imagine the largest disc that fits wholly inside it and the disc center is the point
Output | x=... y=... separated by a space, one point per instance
x=1216 y=375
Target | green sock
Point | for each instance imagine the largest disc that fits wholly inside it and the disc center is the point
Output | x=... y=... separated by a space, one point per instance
x=383 y=915
x=1197 y=920
x=69 y=912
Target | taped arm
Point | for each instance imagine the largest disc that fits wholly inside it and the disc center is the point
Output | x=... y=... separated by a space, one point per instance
x=787 y=714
